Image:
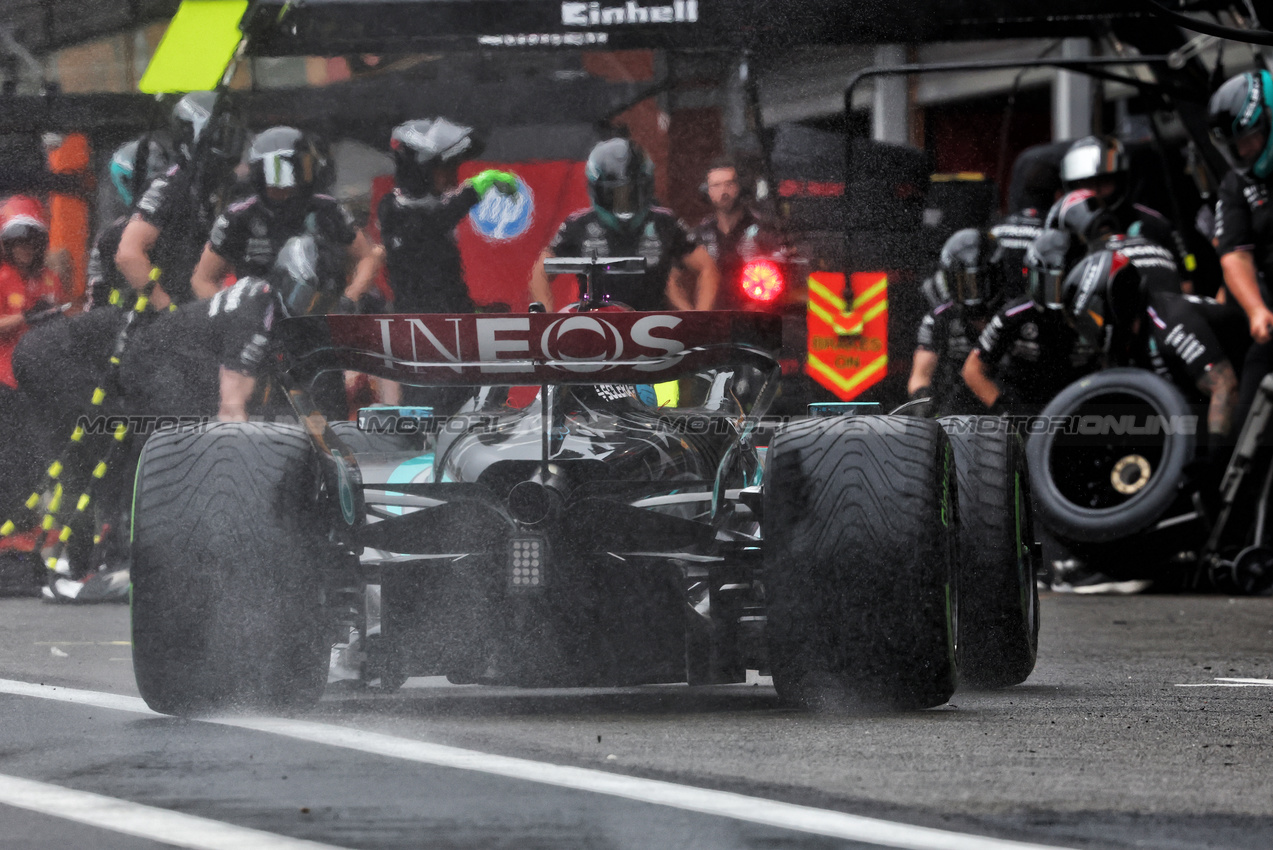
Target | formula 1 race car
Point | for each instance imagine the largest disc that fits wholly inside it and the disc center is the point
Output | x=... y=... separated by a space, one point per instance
x=565 y=529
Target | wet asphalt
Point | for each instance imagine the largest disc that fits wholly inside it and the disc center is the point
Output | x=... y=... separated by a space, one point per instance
x=1125 y=736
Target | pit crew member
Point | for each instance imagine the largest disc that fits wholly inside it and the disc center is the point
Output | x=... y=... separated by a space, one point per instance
x=971 y=265
x=1240 y=128
x=1101 y=165
x=133 y=168
x=284 y=165
x=1029 y=351
x=1013 y=235
x=624 y=222
x=732 y=234
x=170 y=225
x=1109 y=300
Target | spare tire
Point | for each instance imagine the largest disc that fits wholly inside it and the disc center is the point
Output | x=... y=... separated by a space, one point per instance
x=1110 y=461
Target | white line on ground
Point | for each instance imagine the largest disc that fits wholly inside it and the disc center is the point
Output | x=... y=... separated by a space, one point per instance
x=174 y=828
x=874 y=831
x=1227 y=682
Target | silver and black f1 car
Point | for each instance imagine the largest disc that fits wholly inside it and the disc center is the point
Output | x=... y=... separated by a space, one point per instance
x=573 y=531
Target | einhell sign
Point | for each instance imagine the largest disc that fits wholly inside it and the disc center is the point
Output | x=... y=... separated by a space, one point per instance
x=595 y=14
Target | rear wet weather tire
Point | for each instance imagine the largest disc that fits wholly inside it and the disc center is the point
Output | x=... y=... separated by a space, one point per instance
x=998 y=592
x=227 y=607
x=861 y=534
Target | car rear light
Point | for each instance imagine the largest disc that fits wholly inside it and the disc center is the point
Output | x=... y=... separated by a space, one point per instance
x=762 y=280
x=527 y=562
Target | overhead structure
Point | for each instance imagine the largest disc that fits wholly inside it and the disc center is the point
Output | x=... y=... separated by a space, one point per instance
x=328 y=27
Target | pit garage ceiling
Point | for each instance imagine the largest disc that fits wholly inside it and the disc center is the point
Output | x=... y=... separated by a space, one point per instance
x=42 y=26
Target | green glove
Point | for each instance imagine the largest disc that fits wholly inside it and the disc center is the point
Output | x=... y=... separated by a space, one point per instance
x=492 y=177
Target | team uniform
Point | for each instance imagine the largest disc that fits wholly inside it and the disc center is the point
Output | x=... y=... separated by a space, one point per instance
x=1013 y=236
x=18 y=295
x=946 y=333
x=250 y=233
x=662 y=240
x=1033 y=354
x=1176 y=342
x=172 y=206
x=1244 y=222
x=422 y=256
x=104 y=277
x=1155 y=263
x=750 y=237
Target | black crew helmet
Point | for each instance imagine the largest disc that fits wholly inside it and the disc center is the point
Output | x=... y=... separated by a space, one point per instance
x=1095 y=158
x=309 y=275
x=971 y=269
x=135 y=165
x=190 y=119
x=1047 y=260
x=935 y=289
x=620 y=183
x=1085 y=217
x=1104 y=293
x=422 y=146
x=284 y=158
x=1240 y=109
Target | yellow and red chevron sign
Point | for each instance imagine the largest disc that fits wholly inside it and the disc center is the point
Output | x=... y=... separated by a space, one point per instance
x=848 y=343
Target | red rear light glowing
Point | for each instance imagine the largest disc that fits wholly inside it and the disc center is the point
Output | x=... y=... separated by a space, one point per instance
x=762 y=280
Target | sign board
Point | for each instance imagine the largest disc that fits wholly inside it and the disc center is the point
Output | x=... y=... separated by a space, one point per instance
x=848 y=342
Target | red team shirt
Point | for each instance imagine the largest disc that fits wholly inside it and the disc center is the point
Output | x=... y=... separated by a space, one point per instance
x=17 y=295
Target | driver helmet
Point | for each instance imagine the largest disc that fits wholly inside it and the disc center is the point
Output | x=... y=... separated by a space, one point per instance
x=971 y=269
x=620 y=183
x=284 y=158
x=135 y=165
x=309 y=276
x=1048 y=258
x=1239 y=112
x=1093 y=161
x=420 y=147
x=1104 y=292
x=1081 y=214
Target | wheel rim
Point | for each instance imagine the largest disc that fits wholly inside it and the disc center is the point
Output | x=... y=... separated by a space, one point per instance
x=1113 y=453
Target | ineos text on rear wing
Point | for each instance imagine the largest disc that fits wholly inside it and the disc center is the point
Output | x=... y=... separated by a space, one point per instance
x=531 y=348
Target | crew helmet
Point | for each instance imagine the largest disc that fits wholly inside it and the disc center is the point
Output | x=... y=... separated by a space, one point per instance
x=284 y=158
x=421 y=146
x=971 y=269
x=1240 y=110
x=135 y=165
x=1083 y=215
x=620 y=183
x=23 y=217
x=1048 y=258
x=309 y=275
x=199 y=130
x=1094 y=159
x=1103 y=292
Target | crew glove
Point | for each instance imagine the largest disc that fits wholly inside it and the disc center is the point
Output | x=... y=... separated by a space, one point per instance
x=502 y=181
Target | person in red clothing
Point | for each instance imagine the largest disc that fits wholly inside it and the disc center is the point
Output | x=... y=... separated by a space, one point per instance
x=29 y=291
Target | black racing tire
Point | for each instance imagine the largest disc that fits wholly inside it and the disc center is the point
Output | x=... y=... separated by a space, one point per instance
x=998 y=593
x=860 y=527
x=1073 y=475
x=228 y=550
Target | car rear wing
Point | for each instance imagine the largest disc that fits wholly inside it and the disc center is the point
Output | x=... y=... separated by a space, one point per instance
x=530 y=348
